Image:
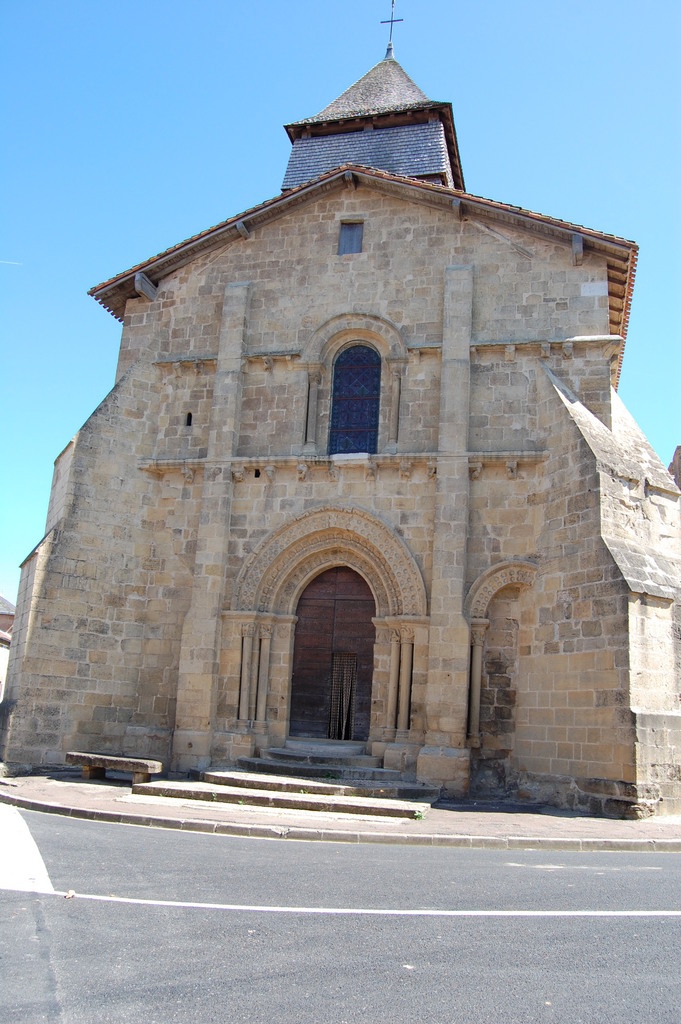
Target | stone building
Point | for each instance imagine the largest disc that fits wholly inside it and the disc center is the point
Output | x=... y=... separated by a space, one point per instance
x=675 y=465
x=364 y=474
x=6 y=621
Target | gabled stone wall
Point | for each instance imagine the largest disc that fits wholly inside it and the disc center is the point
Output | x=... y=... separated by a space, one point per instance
x=506 y=472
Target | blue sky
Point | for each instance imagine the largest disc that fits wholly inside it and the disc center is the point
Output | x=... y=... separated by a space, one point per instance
x=132 y=125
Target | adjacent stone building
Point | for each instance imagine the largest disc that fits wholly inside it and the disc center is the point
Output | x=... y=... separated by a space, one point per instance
x=675 y=465
x=364 y=474
x=6 y=620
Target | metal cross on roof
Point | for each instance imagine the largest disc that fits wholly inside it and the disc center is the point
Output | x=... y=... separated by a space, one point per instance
x=393 y=20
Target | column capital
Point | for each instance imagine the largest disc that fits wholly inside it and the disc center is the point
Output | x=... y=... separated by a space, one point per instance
x=479 y=628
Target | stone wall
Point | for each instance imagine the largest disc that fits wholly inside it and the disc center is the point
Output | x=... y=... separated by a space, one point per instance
x=59 y=493
x=96 y=665
x=491 y=767
x=501 y=451
x=658 y=753
x=399 y=276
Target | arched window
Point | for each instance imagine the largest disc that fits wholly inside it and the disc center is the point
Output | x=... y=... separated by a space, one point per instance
x=355 y=401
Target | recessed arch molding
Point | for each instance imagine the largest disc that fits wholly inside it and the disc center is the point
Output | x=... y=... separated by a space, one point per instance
x=494 y=579
x=489 y=583
x=277 y=572
x=334 y=333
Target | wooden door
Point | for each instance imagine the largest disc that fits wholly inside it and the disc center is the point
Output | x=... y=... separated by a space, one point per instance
x=334 y=641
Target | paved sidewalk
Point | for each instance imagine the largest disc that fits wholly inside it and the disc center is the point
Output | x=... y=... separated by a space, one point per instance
x=446 y=825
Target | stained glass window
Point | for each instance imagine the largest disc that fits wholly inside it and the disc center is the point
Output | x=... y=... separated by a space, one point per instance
x=356 y=395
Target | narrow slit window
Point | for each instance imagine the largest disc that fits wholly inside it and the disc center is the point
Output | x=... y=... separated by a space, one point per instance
x=188 y=421
x=350 y=239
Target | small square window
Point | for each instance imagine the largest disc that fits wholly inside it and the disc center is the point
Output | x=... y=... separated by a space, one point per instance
x=350 y=239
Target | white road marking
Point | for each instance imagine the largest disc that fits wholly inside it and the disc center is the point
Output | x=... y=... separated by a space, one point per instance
x=364 y=911
x=22 y=868
x=594 y=868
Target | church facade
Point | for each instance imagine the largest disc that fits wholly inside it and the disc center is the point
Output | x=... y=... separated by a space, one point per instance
x=364 y=475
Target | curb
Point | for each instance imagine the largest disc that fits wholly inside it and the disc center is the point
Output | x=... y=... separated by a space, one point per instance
x=468 y=842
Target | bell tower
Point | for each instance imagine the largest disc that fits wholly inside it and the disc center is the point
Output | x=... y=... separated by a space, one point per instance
x=383 y=121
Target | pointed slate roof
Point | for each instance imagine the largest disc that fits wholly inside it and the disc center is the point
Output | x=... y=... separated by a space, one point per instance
x=385 y=99
x=385 y=88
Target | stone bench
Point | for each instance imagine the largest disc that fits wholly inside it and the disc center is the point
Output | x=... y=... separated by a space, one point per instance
x=94 y=766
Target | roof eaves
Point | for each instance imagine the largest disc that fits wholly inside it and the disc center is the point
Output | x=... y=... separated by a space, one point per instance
x=621 y=253
x=113 y=293
x=361 y=112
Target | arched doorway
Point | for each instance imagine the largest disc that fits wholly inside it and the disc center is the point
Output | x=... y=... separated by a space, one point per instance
x=333 y=658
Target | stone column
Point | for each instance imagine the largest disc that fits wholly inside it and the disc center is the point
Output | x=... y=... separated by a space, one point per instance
x=445 y=758
x=247 y=636
x=391 y=717
x=406 y=661
x=263 y=673
x=395 y=392
x=255 y=671
x=200 y=642
x=478 y=630
x=279 y=676
x=314 y=381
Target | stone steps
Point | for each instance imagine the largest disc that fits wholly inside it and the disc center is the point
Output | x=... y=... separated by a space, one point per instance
x=331 y=771
x=339 y=748
x=341 y=762
x=393 y=789
x=321 y=756
x=333 y=776
x=284 y=799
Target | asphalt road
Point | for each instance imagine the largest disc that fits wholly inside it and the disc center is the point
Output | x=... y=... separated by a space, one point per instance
x=167 y=926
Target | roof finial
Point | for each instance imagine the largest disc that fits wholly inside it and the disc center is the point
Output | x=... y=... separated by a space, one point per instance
x=390 y=53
